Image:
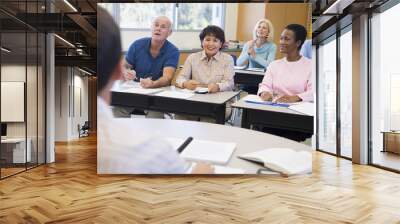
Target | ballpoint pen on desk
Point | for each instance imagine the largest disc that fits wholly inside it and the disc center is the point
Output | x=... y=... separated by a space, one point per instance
x=184 y=144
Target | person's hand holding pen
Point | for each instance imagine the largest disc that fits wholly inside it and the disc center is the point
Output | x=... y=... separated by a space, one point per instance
x=129 y=74
x=146 y=83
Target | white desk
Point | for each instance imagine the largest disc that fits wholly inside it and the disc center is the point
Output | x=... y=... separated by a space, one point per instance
x=246 y=140
x=209 y=105
x=17 y=150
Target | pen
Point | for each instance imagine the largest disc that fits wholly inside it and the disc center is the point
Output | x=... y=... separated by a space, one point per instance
x=184 y=144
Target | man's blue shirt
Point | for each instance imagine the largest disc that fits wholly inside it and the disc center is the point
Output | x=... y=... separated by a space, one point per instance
x=145 y=65
x=306 y=49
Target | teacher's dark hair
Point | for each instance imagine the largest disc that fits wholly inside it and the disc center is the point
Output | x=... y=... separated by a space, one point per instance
x=108 y=47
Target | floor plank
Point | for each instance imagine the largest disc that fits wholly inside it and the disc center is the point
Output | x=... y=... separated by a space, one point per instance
x=70 y=191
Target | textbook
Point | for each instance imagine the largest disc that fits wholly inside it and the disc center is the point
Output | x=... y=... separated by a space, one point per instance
x=283 y=160
x=206 y=151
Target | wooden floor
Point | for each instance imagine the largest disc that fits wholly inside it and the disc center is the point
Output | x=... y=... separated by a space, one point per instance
x=70 y=191
x=386 y=159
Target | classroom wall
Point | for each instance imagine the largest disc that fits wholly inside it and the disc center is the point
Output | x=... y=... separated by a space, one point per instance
x=248 y=15
x=15 y=72
x=281 y=14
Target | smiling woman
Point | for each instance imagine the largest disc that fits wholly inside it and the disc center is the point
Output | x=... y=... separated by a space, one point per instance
x=209 y=68
x=288 y=80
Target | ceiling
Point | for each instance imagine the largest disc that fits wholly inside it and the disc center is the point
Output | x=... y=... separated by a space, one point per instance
x=72 y=20
x=75 y=22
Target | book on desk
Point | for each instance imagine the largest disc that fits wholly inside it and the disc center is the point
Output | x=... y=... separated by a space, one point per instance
x=283 y=160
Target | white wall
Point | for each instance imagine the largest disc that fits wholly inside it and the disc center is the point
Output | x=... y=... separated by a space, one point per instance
x=62 y=81
x=14 y=72
x=71 y=94
x=187 y=40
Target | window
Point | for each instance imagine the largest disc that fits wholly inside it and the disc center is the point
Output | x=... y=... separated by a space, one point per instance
x=385 y=86
x=140 y=16
x=345 y=93
x=327 y=96
x=198 y=16
x=184 y=16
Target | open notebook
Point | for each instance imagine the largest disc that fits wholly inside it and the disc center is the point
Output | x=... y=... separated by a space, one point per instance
x=283 y=160
x=206 y=151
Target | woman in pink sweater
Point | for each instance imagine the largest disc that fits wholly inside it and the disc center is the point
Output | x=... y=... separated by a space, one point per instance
x=288 y=79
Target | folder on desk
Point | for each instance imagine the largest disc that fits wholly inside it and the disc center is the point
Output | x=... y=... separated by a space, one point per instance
x=257 y=100
x=206 y=151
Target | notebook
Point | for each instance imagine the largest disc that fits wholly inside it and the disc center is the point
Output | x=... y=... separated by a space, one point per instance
x=206 y=151
x=284 y=160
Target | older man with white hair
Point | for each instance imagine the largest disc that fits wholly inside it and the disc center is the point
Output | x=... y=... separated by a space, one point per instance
x=152 y=61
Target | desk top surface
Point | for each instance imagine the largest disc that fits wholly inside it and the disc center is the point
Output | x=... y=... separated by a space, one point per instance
x=13 y=140
x=247 y=140
x=215 y=98
x=254 y=106
x=245 y=71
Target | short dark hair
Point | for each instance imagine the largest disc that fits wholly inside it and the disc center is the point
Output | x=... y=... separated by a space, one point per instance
x=215 y=31
x=300 y=32
x=109 y=47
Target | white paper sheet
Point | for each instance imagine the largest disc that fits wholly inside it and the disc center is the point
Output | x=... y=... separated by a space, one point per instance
x=133 y=87
x=175 y=94
x=305 y=108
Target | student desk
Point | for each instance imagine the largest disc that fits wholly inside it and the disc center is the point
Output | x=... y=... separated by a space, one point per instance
x=209 y=105
x=274 y=117
x=247 y=140
x=13 y=150
x=248 y=77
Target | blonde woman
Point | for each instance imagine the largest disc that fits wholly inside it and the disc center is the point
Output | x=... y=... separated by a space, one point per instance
x=259 y=52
